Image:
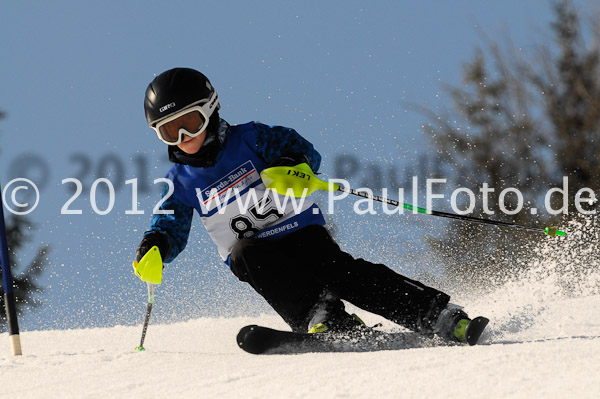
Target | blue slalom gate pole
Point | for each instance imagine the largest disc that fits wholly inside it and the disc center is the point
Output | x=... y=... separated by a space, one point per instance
x=9 y=295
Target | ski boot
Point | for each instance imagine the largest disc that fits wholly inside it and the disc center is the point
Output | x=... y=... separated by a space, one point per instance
x=329 y=315
x=337 y=325
x=453 y=324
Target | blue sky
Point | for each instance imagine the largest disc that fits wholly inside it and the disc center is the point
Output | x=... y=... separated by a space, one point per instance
x=342 y=73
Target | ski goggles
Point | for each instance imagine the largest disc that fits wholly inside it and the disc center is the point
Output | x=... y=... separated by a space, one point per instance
x=191 y=121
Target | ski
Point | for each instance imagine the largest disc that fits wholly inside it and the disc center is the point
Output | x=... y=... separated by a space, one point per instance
x=258 y=339
x=475 y=329
x=264 y=340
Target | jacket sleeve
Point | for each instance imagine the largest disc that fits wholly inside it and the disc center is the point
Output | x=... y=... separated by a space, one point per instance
x=175 y=226
x=273 y=142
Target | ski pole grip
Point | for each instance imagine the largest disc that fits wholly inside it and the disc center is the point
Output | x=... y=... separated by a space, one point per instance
x=150 y=267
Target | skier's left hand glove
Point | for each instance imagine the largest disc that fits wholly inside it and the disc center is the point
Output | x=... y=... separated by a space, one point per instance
x=151 y=239
x=148 y=265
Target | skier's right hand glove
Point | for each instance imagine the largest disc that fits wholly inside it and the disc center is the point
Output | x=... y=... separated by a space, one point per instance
x=151 y=239
x=289 y=159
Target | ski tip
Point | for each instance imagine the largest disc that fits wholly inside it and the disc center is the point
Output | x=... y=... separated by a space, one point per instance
x=250 y=340
x=475 y=329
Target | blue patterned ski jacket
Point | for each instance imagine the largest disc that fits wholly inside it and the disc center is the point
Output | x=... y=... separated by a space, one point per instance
x=246 y=150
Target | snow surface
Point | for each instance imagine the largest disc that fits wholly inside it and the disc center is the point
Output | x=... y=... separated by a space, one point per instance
x=557 y=356
x=543 y=342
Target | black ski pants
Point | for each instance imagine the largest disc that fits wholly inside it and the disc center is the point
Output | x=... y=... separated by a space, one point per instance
x=293 y=271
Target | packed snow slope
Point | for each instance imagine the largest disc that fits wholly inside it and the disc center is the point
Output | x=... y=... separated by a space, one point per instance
x=557 y=357
x=543 y=341
x=549 y=350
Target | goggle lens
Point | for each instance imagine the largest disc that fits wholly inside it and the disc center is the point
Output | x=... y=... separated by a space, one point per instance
x=192 y=122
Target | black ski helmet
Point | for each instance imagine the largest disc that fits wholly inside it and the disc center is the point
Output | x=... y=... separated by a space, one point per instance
x=174 y=90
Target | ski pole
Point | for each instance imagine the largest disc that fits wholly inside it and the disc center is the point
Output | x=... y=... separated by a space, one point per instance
x=149 y=269
x=147 y=317
x=302 y=181
x=551 y=231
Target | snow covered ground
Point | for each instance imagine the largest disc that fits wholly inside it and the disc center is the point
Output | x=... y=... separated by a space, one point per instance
x=556 y=354
x=543 y=342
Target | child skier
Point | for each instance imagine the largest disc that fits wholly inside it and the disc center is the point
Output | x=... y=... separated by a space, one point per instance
x=288 y=257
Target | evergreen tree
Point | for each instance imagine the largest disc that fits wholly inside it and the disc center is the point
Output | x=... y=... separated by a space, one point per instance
x=521 y=123
x=25 y=286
